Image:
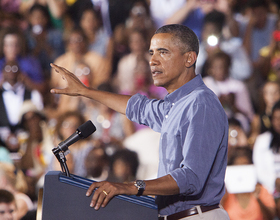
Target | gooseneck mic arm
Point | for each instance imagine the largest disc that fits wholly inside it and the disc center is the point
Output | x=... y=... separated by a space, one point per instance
x=62 y=150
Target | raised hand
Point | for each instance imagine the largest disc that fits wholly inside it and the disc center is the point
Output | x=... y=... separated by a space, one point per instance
x=74 y=86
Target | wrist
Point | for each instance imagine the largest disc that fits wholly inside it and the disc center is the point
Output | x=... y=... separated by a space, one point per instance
x=140 y=186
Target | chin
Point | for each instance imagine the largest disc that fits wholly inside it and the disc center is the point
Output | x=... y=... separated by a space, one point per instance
x=157 y=83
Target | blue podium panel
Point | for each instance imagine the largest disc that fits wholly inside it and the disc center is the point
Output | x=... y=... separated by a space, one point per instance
x=65 y=198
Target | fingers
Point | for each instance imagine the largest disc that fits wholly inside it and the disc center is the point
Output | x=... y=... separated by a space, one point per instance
x=101 y=196
x=59 y=69
x=57 y=91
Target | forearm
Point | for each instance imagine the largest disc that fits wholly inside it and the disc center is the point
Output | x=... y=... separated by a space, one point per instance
x=247 y=39
x=57 y=8
x=180 y=15
x=165 y=185
x=114 y=101
x=232 y=24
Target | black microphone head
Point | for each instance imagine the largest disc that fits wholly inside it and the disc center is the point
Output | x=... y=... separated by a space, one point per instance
x=86 y=129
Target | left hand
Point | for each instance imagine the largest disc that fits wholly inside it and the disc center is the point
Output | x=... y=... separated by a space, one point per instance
x=105 y=191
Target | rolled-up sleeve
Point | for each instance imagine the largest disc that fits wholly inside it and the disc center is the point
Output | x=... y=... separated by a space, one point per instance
x=145 y=111
x=201 y=139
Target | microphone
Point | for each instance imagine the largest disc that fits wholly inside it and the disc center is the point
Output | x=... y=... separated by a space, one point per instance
x=82 y=132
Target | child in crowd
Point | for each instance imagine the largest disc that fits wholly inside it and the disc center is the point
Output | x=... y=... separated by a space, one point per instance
x=8 y=208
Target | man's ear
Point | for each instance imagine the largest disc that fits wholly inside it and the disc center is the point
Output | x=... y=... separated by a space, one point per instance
x=190 y=58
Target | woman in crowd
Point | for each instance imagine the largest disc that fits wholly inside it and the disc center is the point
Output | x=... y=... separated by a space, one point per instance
x=233 y=94
x=258 y=204
x=67 y=124
x=266 y=154
x=13 y=47
x=98 y=40
x=262 y=121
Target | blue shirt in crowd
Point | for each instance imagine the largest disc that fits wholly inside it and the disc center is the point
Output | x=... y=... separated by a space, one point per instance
x=193 y=144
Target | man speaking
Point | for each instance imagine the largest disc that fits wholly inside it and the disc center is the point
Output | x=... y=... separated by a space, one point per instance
x=193 y=127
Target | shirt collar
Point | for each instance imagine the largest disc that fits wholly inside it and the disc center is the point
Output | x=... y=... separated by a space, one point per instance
x=184 y=90
x=7 y=86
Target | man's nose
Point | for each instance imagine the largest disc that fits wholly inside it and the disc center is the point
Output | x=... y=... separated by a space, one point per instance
x=153 y=61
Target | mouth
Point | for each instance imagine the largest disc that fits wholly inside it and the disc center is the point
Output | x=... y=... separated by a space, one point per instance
x=156 y=73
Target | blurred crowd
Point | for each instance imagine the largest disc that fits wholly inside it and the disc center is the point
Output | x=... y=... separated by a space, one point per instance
x=105 y=44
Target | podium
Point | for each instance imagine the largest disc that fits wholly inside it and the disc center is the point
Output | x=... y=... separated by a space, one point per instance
x=64 y=198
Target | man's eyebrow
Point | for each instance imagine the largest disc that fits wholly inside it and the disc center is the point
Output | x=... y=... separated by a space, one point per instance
x=159 y=49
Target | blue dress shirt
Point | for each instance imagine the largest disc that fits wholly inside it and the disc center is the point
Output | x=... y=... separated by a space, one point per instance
x=193 y=144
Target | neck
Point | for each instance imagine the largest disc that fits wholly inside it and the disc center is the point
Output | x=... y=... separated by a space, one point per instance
x=182 y=81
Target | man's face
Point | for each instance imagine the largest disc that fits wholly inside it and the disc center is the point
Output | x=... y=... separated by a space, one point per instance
x=8 y=211
x=168 y=63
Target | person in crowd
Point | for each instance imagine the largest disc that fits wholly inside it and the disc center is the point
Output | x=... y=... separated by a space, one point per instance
x=123 y=166
x=97 y=164
x=67 y=103
x=258 y=204
x=98 y=40
x=193 y=127
x=90 y=67
x=8 y=207
x=213 y=41
x=143 y=82
x=67 y=124
x=13 y=47
x=125 y=72
x=56 y=10
x=77 y=52
x=35 y=144
x=270 y=94
x=270 y=56
x=237 y=137
x=139 y=19
x=266 y=153
x=255 y=31
x=13 y=180
x=44 y=41
x=13 y=94
x=233 y=94
x=12 y=19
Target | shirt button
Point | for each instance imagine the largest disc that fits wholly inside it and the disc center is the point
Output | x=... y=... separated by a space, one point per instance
x=166 y=116
x=173 y=104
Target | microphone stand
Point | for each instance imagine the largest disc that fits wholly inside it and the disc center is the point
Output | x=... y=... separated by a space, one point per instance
x=60 y=155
